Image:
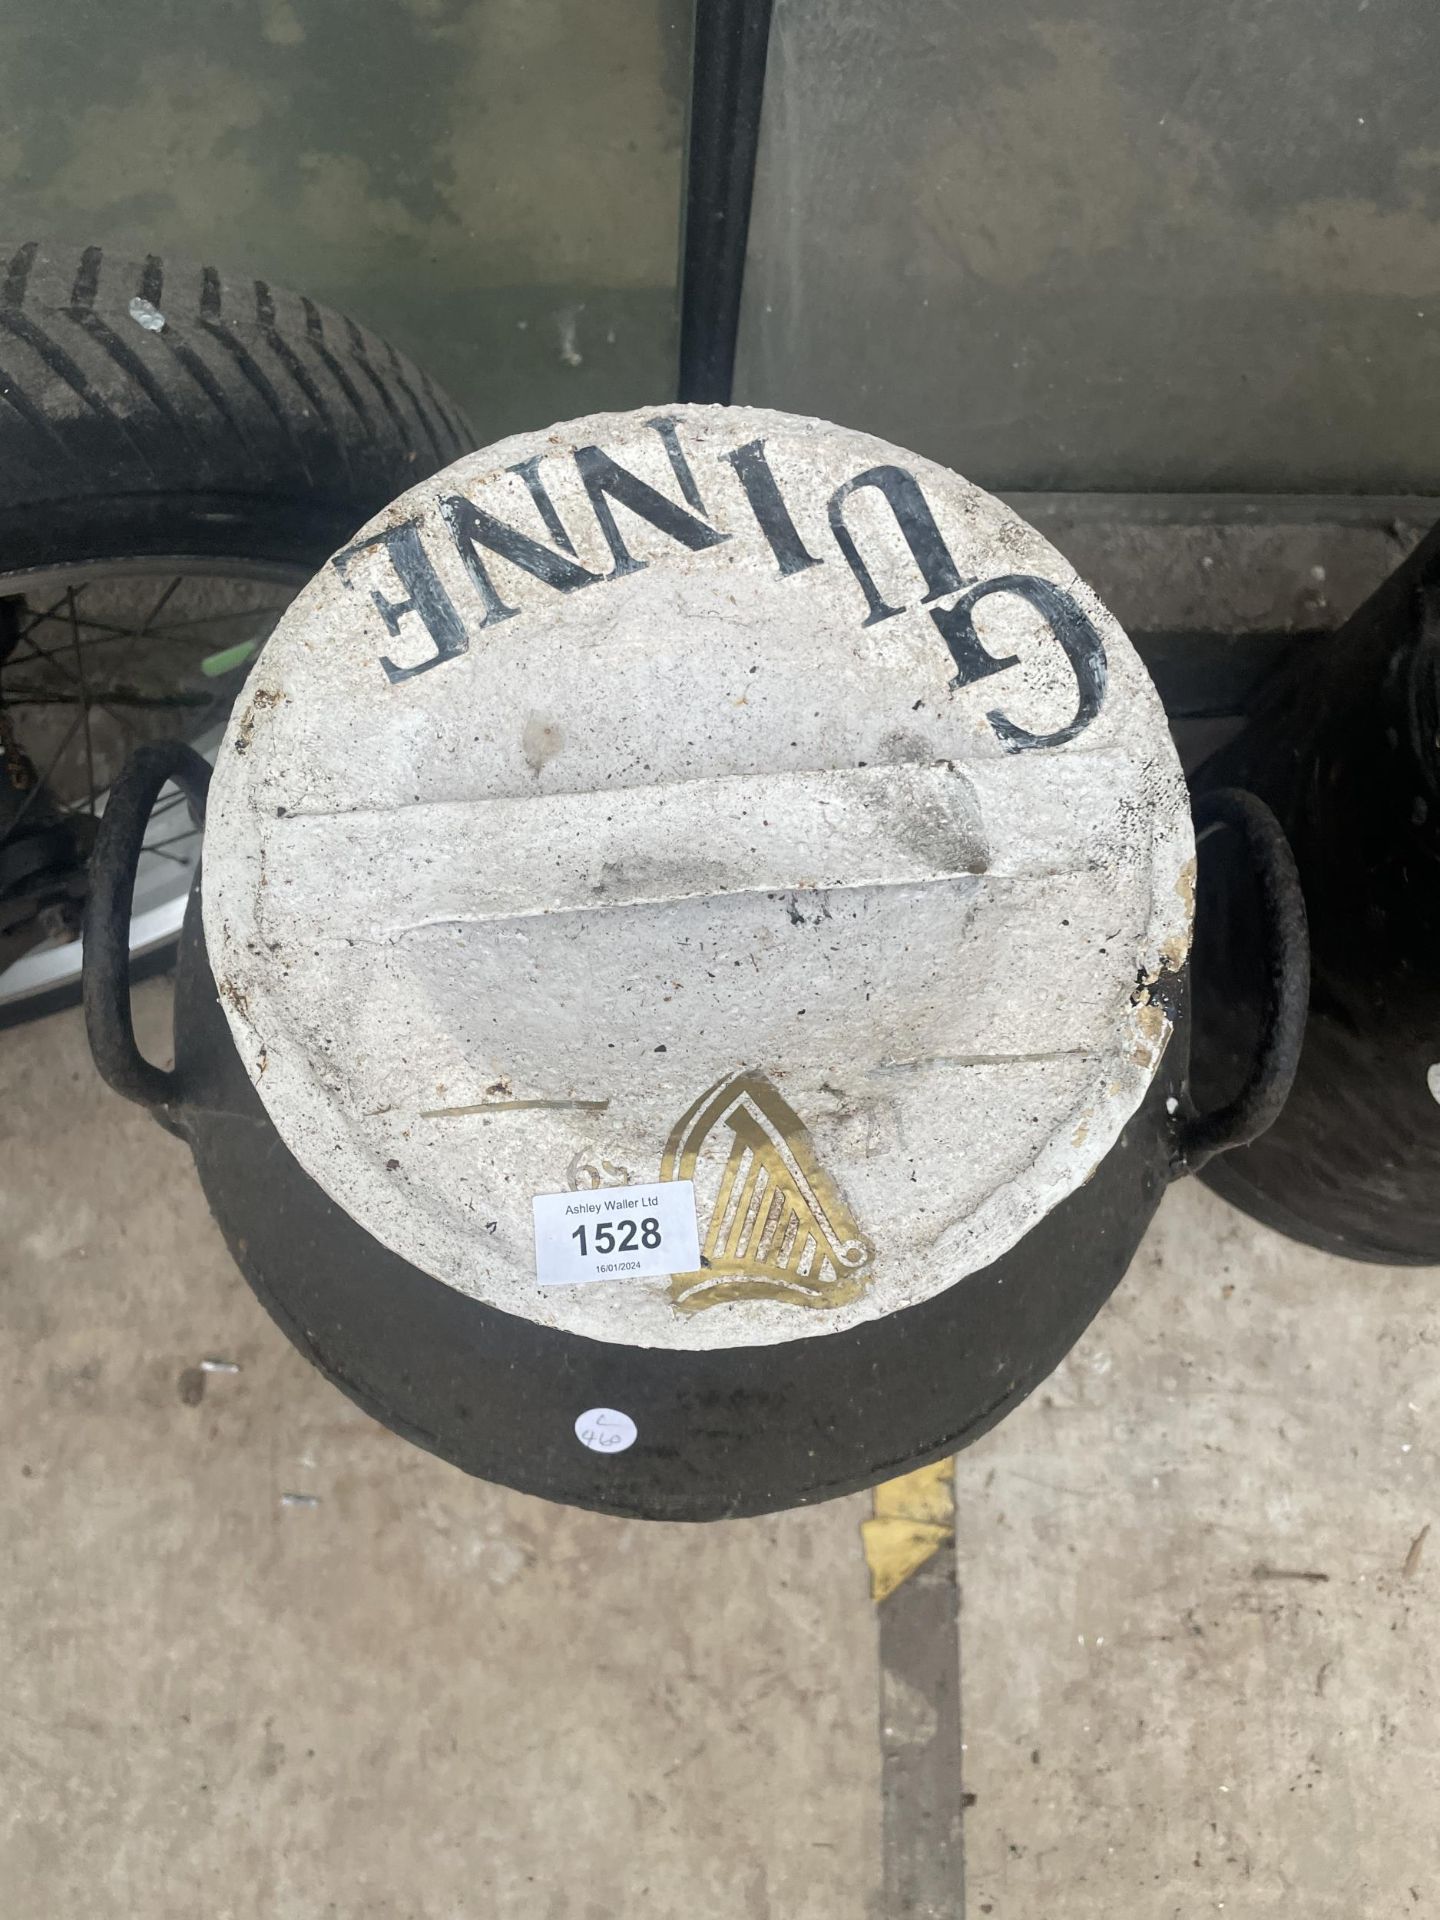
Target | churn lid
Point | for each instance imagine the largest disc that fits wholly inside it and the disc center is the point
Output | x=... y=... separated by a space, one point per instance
x=696 y=878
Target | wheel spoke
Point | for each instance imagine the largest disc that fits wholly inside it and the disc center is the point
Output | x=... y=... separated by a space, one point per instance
x=121 y=697
x=153 y=614
x=60 y=616
x=109 y=634
x=175 y=839
x=108 y=637
x=39 y=786
x=159 y=606
x=98 y=648
x=195 y=629
x=50 y=612
x=214 y=620
x=84 y=708
x=39 y=653
x=166 y=806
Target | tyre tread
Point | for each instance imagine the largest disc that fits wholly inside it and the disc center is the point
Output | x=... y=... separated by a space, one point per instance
x=246 y=388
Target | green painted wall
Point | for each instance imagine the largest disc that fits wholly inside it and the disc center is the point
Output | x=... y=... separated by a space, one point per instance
x=495 y=184
x=1135 y=244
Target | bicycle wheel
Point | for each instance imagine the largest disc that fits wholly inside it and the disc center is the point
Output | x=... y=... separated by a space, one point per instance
x=179 y=450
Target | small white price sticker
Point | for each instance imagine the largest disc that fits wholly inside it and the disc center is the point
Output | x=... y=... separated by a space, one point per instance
x=605 y=1430
x=616 y=1233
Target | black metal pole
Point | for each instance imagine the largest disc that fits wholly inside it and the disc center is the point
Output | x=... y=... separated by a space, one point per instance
x=731 y=41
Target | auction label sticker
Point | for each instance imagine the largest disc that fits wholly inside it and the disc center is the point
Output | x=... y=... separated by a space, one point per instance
x=616 y=1233
x=606 y=1430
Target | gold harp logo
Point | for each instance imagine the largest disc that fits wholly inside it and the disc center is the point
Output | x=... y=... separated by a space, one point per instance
x=779 y=1228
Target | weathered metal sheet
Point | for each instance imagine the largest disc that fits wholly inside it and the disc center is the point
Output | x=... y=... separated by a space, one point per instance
x=1093 y=244
x=714 y=796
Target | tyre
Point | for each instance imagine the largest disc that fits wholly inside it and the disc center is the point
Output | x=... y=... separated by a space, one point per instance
x=179 y=450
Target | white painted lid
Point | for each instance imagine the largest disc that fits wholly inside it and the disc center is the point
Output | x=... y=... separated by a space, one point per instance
x=677 y=796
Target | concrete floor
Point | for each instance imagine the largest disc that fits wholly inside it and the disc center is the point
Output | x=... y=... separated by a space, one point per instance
x=263 y=1659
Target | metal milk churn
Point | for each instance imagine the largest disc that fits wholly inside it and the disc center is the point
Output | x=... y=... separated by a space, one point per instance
x=685 y=1010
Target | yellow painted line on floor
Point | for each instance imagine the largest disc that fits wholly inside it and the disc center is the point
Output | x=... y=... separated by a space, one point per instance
x=911 y=1519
